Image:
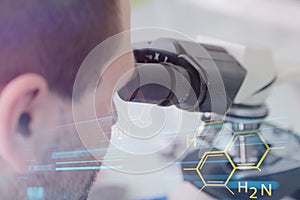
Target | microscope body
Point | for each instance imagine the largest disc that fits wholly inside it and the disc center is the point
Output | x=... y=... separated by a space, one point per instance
x=227 y=84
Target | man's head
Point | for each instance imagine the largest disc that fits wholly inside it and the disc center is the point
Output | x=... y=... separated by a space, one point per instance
x=43 y=44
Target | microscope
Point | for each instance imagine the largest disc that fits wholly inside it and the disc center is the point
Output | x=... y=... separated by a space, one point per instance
x=240 y=153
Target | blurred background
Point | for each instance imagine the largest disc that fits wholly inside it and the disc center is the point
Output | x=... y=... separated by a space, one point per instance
x=271 y=24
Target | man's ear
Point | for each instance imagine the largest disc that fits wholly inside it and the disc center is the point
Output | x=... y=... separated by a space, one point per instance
x=20 y=100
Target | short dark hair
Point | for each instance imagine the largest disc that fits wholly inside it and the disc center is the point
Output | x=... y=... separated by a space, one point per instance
x=53 y=37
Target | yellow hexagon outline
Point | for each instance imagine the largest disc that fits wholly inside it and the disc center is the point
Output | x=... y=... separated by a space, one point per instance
x=236 y=134
x=202 y=162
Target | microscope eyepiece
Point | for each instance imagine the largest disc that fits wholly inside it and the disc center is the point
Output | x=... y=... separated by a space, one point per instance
x=184 y=76
x=164 y=83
